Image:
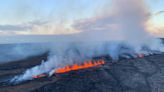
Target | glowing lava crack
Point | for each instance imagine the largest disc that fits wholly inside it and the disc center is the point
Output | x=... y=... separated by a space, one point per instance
x=74 y=67
x=77 y=67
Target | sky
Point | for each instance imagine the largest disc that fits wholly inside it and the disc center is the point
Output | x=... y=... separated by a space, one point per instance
x=17 y=11
x=26 y=17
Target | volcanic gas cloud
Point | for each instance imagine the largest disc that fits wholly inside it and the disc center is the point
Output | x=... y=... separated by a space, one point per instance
x=120 y=31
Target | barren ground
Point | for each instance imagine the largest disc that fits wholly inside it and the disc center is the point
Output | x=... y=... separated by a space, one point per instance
x=129 y=75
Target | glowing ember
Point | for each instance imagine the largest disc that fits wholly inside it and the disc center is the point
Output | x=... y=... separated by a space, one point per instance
x=39 y=76
x=85 y=65
x=140 y=55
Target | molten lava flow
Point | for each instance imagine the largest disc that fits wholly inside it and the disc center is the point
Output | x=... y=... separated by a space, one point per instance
x=74 y=67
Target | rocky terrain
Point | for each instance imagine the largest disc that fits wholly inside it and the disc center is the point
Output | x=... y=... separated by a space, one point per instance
x=127 y=75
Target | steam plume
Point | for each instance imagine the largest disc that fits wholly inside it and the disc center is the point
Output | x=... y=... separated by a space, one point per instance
x=124 y=27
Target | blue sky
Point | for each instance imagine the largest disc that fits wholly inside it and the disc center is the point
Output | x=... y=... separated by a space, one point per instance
x=14 y=12
x=155 y=6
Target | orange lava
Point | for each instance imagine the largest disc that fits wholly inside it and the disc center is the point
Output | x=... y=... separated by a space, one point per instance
x=85 y=65
x=74 y=67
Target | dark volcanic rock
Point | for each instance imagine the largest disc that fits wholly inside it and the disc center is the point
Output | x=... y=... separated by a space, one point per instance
x=145 y=66
x=157 y=82
x=94 y=80
x=128 y=75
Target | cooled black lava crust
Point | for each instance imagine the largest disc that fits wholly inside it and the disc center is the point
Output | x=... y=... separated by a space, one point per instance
x=127 y=75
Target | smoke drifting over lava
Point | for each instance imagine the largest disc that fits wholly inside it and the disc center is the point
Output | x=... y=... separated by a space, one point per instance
x=122 y=31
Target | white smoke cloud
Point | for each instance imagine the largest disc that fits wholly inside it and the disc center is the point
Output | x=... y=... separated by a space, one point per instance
x=107 y=34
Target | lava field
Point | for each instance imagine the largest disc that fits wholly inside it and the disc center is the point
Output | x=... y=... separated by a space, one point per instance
x=127 y=75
